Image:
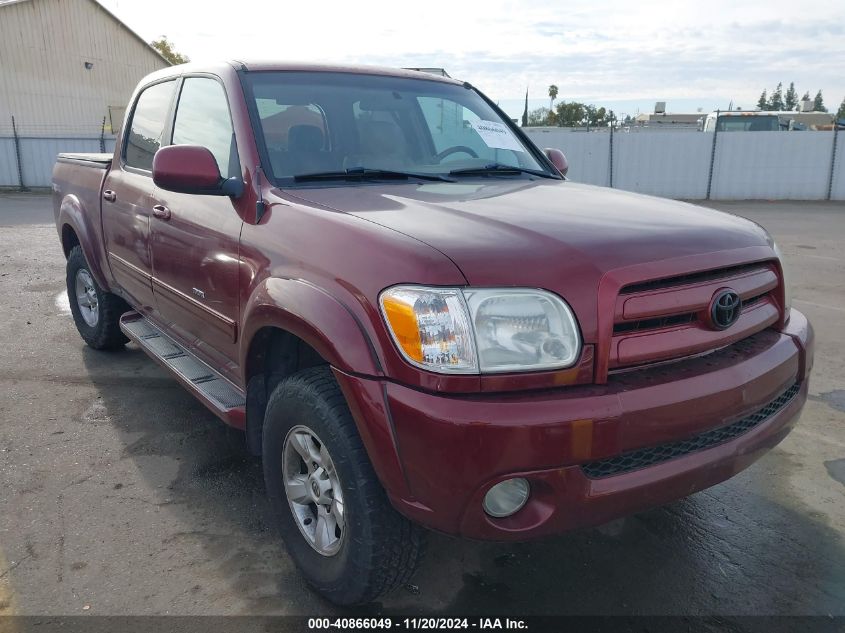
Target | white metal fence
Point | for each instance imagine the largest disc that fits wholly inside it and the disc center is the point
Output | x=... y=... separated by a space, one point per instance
x=28 y=150
x=739 y=166
x=37 y=156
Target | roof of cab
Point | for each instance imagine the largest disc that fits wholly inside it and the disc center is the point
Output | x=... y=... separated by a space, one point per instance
x=275 y=65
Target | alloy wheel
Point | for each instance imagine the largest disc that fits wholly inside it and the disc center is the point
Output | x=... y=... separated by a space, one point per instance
x=313 y=491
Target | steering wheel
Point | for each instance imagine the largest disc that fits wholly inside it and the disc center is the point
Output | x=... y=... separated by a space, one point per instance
x=454 y=150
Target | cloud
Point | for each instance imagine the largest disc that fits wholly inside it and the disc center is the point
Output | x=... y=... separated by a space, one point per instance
x=614 y=50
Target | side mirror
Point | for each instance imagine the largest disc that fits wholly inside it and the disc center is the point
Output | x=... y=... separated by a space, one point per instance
x=558 y=160
x=192 y=169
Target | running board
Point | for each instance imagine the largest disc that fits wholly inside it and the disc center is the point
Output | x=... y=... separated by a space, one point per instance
x=215 y=392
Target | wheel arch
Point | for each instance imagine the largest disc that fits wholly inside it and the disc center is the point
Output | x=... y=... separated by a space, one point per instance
x=75 y=229
x=290 y=325
x=312 y=315
x=69 y=239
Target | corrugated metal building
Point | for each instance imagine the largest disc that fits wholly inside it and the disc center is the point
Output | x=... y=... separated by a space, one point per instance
x=66 y=64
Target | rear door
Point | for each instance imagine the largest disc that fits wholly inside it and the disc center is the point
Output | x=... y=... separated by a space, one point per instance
x=195 y=245
x=127 y=195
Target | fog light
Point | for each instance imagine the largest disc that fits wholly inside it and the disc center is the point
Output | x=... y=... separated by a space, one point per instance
x=506 y=498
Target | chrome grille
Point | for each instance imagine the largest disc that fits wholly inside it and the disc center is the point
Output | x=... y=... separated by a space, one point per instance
x=669 y=318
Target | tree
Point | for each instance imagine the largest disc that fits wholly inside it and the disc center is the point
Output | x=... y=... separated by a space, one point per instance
x=575 y=114
x=776 y=102
x=571 y=114
x=165 y=47
x=763 y=101
x=791 y=99
x=841 y=113
x=818 y=103
x=596 y=116
x=540 y=116
x=552 y=96
x=525 y=112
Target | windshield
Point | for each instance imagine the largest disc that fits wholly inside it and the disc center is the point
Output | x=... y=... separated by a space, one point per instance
x=338 y=123
x=748 y=123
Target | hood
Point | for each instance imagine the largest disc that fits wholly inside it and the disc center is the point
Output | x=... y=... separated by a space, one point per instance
x=543 y=233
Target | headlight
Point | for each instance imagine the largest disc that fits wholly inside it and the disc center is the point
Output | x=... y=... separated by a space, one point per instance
x=431 y=328
x=453 y=330
x=787 y=290
x=518 y=330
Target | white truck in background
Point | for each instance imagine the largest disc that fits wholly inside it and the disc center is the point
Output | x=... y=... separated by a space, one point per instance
x=765 y=121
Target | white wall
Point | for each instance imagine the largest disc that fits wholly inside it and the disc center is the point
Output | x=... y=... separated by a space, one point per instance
x=588 y=153
x=750 y=166
x=772 y=165
x=669 y=164
x=44 y=84
x=747 y=166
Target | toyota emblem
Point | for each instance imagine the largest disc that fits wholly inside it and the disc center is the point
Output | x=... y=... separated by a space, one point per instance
x=725 y=308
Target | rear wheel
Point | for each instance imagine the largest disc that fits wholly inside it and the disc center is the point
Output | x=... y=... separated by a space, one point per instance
x=96 y=312
x=334 y=516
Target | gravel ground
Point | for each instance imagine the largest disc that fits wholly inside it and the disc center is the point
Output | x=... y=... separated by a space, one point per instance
x=122 y=495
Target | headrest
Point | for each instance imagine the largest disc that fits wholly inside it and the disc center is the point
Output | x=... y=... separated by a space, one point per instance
x=305 y=138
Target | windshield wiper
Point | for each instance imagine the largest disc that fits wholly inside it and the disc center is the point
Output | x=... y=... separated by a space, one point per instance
x=364 y=173
x=498 y=168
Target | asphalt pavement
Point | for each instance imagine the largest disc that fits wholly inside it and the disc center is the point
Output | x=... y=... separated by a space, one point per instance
x=121 y=494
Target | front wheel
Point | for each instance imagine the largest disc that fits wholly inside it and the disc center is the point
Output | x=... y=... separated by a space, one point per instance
x=96 y=312
x=334 y=516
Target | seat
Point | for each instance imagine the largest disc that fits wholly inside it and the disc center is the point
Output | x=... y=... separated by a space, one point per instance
x=305 y=149
x=382 y=146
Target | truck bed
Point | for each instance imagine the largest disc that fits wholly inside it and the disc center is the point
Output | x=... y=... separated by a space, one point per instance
x=77 y=183
x=99 y=161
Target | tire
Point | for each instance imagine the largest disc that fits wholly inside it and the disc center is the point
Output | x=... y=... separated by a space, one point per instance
x=377 y=549
x=96 y=312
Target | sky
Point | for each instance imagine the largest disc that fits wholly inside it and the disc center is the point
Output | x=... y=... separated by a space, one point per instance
x=621 y=55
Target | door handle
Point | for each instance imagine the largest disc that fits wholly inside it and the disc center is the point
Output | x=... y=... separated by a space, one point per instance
x=109 y=195
x=161 y=212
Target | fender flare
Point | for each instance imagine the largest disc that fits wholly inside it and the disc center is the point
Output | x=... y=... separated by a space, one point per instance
x=72 y=214
x=316 y=317
x=337 y=334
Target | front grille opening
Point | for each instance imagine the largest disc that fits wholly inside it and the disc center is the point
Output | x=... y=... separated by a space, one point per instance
x=656 y=323
x=682 y=280
x=645 y=457
x=752 y=300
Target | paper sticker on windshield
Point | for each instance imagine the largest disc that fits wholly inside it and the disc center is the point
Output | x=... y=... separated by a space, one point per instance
x=497 y=135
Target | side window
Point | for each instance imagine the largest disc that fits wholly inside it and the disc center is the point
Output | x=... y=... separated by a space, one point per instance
x=147 y=125
x=202 y=118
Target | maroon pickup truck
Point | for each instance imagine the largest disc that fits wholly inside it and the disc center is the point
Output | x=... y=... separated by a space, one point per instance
x=416 y=319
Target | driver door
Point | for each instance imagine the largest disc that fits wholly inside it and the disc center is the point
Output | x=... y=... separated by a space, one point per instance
x=195 y=238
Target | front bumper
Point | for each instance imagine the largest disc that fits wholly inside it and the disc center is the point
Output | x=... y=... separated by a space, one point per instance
x=438 y=455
